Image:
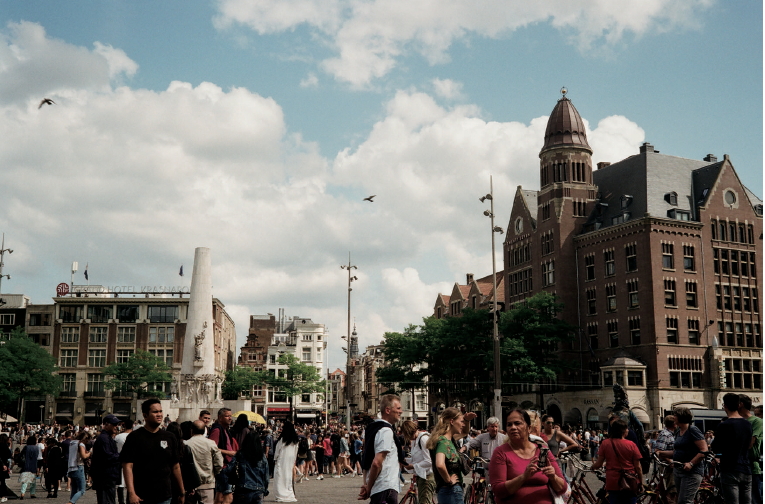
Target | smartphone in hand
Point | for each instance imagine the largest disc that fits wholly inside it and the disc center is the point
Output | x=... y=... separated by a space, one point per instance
x=542 y=457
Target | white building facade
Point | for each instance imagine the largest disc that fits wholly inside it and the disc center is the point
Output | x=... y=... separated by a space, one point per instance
x=307 y=341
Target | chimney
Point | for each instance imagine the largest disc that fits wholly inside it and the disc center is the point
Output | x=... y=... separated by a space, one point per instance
x=710 y=158
x=469 y=278
x=603 y=164
x=646 y=147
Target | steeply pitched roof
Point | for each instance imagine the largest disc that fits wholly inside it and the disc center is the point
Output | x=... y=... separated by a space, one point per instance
x=648 y=177
x=530 y=199
x=703 y=179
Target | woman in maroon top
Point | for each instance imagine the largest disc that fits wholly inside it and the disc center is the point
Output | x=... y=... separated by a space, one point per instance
x=618 y=453
x=516 y=475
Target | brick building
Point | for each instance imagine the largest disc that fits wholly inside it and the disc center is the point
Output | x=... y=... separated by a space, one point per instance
x=92 y=328
x=655 y=258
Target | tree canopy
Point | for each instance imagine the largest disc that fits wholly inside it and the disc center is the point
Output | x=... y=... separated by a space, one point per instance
x=27 y=370
x=239 y=379
x=454 y=356
x=138 y=375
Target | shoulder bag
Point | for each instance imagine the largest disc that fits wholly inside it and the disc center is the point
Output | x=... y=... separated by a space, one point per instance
x=628 y=480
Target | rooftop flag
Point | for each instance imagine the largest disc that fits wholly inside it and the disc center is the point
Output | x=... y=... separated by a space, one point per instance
x=86 y=271
x=180 y=273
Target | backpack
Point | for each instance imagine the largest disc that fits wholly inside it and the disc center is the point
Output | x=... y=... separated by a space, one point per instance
x=368 y=454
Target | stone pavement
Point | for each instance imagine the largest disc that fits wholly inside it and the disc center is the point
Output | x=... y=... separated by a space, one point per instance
x=328 y=491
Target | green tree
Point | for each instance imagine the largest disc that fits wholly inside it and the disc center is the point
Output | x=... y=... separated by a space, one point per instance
x=27 y=370
x=297 y=379
x=456 y=354
x=138 y=375
x=239 y=379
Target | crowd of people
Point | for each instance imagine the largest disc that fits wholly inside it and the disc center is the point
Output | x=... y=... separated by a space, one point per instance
x=235 y=461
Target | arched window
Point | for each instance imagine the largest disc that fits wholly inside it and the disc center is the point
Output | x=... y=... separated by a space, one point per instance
x=723 y=231
x=732 y=231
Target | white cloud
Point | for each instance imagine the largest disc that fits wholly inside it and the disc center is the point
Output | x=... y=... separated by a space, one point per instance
x=132 y=180
x=447 y=88
x=33 y=65
x=310 y=81
x=370 y=36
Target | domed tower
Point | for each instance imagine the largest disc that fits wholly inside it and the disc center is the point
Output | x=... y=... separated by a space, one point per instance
x=566 y=155
x=565 y=199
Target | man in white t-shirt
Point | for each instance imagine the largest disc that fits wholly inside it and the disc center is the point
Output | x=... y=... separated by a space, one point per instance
x=381 y=480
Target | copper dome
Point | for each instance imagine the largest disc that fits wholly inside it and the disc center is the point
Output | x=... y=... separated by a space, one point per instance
x=565 y=127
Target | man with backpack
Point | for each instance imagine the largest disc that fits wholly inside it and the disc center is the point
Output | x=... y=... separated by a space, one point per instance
x=220 y=434
x=380 y=461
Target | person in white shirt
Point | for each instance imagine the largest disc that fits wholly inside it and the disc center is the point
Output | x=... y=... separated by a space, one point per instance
x=421 y=463
x=489 y=440
x=119 y=439
x=381 y=478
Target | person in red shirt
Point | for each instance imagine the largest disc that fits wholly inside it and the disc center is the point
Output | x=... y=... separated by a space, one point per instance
x=220 y=434
x=516 y=474
x=618 y=453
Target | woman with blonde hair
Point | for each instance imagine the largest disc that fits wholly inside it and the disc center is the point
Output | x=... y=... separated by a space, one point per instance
x=452 y=425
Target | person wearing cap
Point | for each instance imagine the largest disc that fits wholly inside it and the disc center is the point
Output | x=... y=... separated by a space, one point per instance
x=105 y=467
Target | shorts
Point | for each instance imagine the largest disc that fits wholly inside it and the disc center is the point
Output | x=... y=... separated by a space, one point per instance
x=311 y=456
x=222 y=485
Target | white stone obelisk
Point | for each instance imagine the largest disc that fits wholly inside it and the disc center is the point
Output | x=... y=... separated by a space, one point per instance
x=199 y=387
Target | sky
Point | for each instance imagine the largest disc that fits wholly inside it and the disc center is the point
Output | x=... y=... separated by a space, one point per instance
x=257 y=127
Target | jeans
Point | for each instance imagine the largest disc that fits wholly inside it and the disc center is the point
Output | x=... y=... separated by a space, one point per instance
x=736 y=487
x=450 y=494
x=77 y=481
x=756 y=488
x=687 y=485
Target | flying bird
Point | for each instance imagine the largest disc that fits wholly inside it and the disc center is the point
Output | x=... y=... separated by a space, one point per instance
x=45 y=101
x=369 y=199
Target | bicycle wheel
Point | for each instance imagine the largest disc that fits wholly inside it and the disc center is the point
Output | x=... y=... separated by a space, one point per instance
x=469 y=495
x=706 y=496
x=649 y=498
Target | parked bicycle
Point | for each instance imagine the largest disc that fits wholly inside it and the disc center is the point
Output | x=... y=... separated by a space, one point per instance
x=709 y=490
x=581 y=493
x=479 y=491
x=656 y=490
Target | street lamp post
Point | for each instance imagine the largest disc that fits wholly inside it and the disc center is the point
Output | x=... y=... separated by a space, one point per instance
x=3 y=250
x=497 y=404
x=351 y=278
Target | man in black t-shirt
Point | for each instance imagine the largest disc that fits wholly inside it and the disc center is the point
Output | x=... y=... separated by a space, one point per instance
x=733 y=437
x=149 y=460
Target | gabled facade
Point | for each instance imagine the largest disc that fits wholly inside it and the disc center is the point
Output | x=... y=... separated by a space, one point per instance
x=475 y=294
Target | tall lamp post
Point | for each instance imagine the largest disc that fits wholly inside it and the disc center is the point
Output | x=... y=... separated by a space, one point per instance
x=3 y=250
x=497 y=404
x=348 y=372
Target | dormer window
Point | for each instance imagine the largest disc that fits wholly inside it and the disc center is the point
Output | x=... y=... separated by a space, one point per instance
x=679 y=214
x=626 y=200
x=758 y=209
x=671 y=198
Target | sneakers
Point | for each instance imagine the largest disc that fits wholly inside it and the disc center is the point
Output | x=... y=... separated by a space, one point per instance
x=320 y=477
x=335 y=475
